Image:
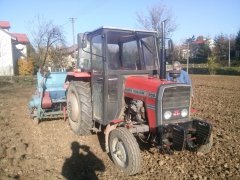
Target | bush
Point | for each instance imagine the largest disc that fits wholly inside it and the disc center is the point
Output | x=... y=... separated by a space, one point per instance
x=234 y=71
x=25 y=67
x=212 y=65
x=198 y=70
x=235 y=63
x=228 y=71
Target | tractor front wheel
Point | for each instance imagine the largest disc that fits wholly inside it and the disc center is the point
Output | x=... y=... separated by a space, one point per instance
x=79 y=107
x=125 y=151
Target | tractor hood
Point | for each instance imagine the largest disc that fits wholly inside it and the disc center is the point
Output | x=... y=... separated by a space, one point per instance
x=142 y=86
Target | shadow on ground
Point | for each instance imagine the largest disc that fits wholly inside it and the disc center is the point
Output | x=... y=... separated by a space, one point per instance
x=82 y=164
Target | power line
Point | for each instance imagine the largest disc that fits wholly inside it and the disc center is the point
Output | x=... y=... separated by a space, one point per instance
x=65 y=23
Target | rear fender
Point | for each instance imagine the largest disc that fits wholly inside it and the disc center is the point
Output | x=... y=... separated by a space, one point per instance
x=76 y=76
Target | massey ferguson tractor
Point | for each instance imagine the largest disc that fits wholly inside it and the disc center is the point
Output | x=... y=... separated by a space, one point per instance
x=120 y=89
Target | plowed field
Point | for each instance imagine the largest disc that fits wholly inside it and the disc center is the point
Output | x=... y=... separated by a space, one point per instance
x=51 y=150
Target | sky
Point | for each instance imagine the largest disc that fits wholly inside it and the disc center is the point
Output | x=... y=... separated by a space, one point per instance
x=192 y=17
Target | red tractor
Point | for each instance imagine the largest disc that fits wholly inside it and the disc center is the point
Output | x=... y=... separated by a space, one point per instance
x=121 y=90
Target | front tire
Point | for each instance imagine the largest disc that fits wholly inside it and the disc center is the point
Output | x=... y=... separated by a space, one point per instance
x=79 y=107
x=125 y=151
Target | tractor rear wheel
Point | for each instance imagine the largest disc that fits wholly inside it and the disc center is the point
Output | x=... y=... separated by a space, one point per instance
x=125 y=151
x=79 y=107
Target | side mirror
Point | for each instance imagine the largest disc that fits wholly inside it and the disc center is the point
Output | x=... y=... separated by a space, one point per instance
x=82 y=41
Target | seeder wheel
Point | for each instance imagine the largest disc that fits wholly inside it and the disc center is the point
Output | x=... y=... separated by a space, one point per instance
x=33 y=115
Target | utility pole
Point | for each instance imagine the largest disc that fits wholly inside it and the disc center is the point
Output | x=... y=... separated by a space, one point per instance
x=189 y=40
x=229 y=52
x=188 y=54
x=73 y=21
x=74 y=53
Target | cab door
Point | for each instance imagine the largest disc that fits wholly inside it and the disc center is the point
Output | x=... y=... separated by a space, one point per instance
x=97 y=77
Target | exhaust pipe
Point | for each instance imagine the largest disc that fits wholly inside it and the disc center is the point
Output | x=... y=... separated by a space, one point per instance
x=163 y=56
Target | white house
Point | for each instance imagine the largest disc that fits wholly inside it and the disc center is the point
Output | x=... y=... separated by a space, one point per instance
x=13 y=46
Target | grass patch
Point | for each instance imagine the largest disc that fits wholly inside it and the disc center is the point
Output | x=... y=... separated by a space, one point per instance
x=11 y=80
x=232 y=71
x=235 y=71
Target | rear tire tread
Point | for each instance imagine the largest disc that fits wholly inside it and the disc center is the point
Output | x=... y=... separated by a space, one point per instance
x=84 y=126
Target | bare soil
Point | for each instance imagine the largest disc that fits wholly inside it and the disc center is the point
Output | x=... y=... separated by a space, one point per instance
x=51 y=150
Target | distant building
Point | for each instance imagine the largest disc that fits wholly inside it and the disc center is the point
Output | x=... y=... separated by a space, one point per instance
x=13 y=46
x=190 y=49
x=63 y=58
x=71 y=55
x=211 y=44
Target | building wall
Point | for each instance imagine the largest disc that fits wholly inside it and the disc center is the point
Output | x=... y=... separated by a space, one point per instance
x=6 y=56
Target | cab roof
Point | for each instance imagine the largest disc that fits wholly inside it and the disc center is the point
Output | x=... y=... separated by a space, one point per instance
x=121 y=29
x=121 y=35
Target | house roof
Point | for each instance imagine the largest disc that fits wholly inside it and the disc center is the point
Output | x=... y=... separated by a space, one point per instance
x=21 y=38
x=199 y=42
x=4 y=24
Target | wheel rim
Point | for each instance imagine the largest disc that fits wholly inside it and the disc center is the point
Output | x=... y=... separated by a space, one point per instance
x=119 y=152
x=73 y=109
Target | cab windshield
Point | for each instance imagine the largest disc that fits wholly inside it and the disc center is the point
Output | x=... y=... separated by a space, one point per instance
x=130 y=50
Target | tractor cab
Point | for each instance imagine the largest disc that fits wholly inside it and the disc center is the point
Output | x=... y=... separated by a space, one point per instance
x=116 y=54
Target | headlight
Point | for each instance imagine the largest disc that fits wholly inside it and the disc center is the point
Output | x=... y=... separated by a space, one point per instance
x=184 y=112
x=167 y=115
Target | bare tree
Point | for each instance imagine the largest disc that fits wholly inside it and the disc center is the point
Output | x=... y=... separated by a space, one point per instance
x=46 y=36
x=155 y=15
x=58 y=56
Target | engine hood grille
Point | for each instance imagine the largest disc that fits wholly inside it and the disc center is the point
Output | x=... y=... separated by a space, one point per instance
x=173 y=98
x=176 y=96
